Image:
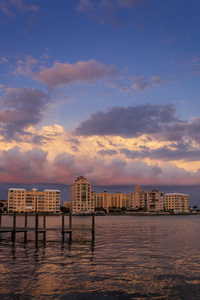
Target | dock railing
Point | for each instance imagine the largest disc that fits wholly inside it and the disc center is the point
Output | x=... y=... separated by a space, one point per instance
x=37 y=229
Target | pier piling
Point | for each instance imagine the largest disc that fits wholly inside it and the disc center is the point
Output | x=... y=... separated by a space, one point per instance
x=44 y=226
x=63 y=227
x=93 y=226
x=36 y=226
x=25 y=225
x=14 y=226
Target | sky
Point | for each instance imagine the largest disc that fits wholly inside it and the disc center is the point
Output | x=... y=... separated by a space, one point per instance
x=107 y=89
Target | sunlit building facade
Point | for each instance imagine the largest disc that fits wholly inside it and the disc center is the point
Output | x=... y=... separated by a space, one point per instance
x=177 y=202
x=107 y=200
x=81 y=200
x=20 y=200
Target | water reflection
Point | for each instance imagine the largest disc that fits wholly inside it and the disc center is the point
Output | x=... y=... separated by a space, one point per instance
x=139 y=258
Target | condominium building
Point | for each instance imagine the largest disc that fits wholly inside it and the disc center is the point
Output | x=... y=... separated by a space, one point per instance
x=148 y=201
x=177 y=202
x=81 y=200
x=106 y=200
x=20 y=200
x=153 y=201
x=135 y=198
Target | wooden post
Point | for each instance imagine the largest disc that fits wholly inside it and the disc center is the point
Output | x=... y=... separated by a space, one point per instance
x=36 y=226
x=0 y=218
x=93 y=226
x=25 y=225
x=44 y=226
x=70 y=220
x=63 y=227
x=14 y=226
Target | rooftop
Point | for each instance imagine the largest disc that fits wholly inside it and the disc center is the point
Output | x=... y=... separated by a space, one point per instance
x=17 y=189
x=176 y=194
x=52 y=191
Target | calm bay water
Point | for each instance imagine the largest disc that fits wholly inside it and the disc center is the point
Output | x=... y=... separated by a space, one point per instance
x=132 y=257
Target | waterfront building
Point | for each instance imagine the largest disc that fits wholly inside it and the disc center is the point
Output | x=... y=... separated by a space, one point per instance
x=20 y=200
x=153 y=201
x=107 y=200
x=81 y=200
x=177 y=202
x=135 y=198
x=148 y=201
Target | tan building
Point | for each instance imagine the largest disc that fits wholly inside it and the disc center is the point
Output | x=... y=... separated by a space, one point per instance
x=106 y=200
x=136 y=198
x=148 y=201
x=153 y=201
x=177 y=202
x=81 y=200
x=20 y=200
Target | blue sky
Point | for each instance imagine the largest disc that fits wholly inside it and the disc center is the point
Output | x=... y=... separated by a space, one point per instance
x=87 y=84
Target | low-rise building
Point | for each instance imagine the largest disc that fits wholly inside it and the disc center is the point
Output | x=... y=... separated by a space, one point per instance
x=177 y=202
x=107 y=200
x=20 y=200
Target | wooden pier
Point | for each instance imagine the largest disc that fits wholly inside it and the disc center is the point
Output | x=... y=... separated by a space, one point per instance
x=63 y=229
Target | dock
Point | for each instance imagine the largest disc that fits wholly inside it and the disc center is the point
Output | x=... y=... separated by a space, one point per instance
x=37 y=230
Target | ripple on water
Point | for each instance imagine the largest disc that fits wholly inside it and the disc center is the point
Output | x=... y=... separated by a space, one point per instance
x=132 y=257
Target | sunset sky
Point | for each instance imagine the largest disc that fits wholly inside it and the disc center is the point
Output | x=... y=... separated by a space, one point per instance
x=107 y=89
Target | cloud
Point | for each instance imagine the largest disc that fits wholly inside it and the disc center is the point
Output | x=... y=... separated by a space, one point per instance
x=140 y=83
x=17 y=165
x=104 y=152
x=100 y=144
x=24 y=67
x=74 y=149
x=177 y=131
x=129 y=121
x=22 y=166
x=64 y=74
x=3 y=60
x=75 y=141
x=20 y=109
x=105 y=11
x=166 y=154
x=20 y=6
x=4 y=8
x=10 y=7
x=134 y=154
x=157 y=121
x=88 y=5
x=157 y=79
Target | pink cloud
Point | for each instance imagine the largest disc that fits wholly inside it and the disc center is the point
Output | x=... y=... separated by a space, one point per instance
x=3 y=60
x=64 y=74
x=24 y=67
x=33 y=166
x=140 y=83
x=157 y=79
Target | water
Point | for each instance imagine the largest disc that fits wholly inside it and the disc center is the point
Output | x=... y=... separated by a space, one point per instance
x=133 y=257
